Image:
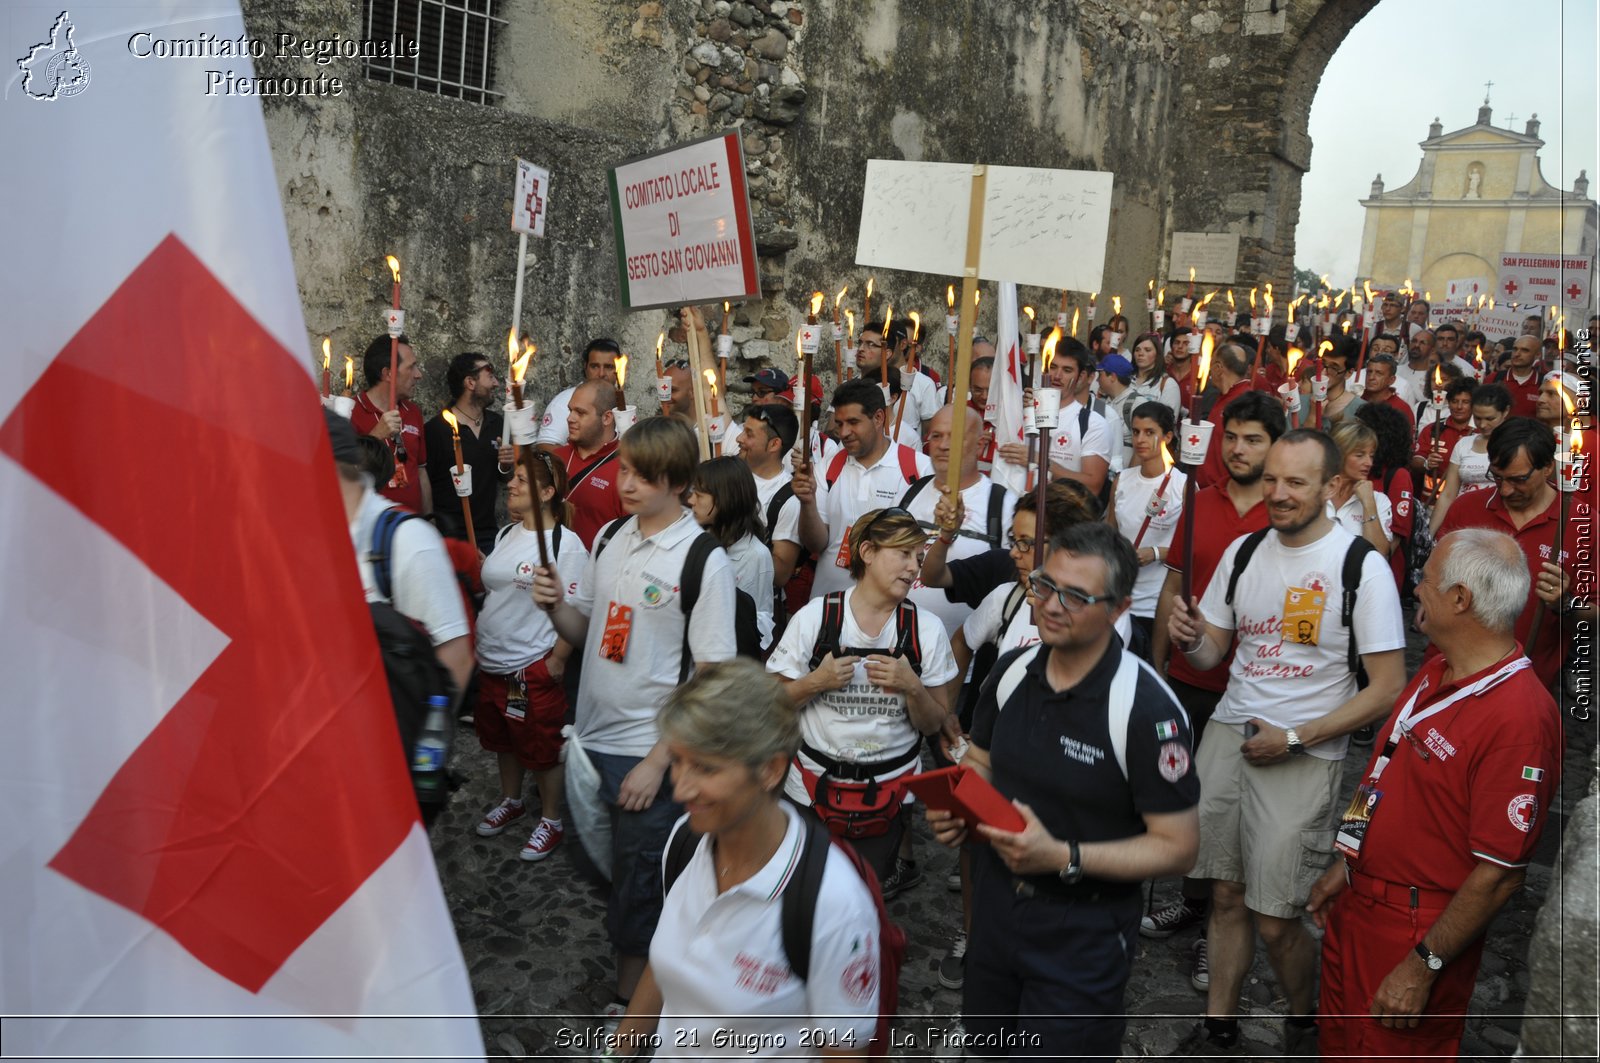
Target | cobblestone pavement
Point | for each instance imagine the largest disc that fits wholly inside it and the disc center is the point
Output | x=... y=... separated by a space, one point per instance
x=534 y=938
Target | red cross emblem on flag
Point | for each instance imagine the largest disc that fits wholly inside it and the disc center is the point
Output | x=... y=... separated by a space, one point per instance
x=1511 y=287
x=275 y=785
x=1573 y=291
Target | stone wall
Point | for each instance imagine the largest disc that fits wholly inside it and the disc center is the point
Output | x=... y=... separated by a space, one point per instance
x=1563 y=1005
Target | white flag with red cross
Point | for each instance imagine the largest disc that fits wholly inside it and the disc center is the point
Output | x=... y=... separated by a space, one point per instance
x=1005 y=388
x=210 y=846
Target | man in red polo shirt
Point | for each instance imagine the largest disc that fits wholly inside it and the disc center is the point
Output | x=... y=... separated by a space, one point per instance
x=1439 y=835
x=1527 y=506
x=1230 y=374
x=590 y=459
x=1523 y=377
x=1273 y=373
x=400 y=427
x=1380 y=386
x=1222 y=513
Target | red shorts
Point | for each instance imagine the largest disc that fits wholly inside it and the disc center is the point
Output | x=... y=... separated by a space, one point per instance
x=536 y=738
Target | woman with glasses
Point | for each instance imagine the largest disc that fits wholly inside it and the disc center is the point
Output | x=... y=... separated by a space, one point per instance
x=871 y=674
x=521 y=703
x=1469 y=461
x=722 y=496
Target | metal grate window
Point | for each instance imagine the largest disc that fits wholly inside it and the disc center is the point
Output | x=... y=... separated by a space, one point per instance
x=455 y=39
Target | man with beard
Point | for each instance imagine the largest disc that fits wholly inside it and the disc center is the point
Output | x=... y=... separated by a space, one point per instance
x=1270 y=760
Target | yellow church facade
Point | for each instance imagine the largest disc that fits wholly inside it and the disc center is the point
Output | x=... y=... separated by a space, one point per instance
x=1479 y=192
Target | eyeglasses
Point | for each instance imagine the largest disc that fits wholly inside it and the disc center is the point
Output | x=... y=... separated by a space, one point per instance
x=1073 y=601
x=675 y=363
x=873 y=345
x=487 y=368
x=1024 y=545
x=1515 y=481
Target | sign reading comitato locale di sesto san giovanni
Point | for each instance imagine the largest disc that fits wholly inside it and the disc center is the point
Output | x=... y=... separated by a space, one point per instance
x=682 y=224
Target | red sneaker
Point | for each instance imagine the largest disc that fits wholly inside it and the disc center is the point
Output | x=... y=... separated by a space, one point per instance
x=499 y=817
x=546 y=836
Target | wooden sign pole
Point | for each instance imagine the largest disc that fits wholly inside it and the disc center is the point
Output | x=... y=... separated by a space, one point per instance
x=697 y=382
x=961 y=374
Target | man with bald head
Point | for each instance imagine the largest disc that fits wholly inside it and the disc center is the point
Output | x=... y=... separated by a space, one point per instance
x=682 y=401
x=1523 y=377
x=590 y=458
x=986 y=506
x=1439 y=835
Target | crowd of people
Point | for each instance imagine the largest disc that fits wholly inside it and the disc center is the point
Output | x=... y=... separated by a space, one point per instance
x=754 y=652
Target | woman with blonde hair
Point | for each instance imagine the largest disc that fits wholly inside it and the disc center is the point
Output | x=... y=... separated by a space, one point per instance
x=1355 y=505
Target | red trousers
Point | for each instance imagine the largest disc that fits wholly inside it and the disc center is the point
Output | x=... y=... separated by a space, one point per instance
x=1367 y=938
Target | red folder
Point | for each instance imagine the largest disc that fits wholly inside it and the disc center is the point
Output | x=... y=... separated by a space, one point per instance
x=967 y=795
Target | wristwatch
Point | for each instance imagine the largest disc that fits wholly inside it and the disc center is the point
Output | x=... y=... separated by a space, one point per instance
x=1074 y=869
x=1434 y=961
x=1296 y=747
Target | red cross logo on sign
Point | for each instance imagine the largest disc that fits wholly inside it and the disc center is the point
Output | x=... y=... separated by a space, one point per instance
x=534 y=205
x=1573 y=291
x=1511 y=287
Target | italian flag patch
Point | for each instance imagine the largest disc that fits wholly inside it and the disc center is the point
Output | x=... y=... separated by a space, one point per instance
x=1166 y=729
x=1532 y=774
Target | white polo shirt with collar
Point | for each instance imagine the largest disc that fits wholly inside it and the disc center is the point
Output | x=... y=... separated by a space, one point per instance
x=858 y=490
x=1068 y=447
x=617 y=702
x=719 y=962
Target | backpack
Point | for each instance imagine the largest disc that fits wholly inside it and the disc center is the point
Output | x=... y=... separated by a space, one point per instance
x=555 y=539
x=799 y=914
x=983 y=657
x=1110 y=483
x=409 y=663
x=997 y=504
x=907 y=643
x=906 y=456
x=1349 y=577
x=1119 y=704
x=798 y=589
x=747 y=635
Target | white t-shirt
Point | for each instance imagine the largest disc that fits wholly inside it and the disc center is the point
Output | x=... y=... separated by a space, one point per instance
x=1289 y=683
x=1352 y=514
x=1068 y=448
x=718 y=960
x=822 y=449
x=786 y=528
x=859 y=722
x=1164 y=391
x=924 y=398
x=970 y=541
x=983 y=626
x=857 y=491
x=617 y=702
x=1409 y=381
x=553 y=425
x=752 y=573
x=512 y=631
x=421 y=578
x=1135 y=493
x=1472 y=466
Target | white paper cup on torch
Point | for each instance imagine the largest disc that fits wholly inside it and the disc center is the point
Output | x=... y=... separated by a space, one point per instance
x=1115 y=339
x=717 y=426
x=1160 y=319
x=951 y=322
x=888 y=396
x=1319 y=388
x=810 y=338
x=461 y=480
x=1046 y=407
x=624 y=418
x=1289 y=395
x=1194 y=341
x=394 y=322
x=343 y=405
x=907 y=378
x=1030 y=343
x=1194 y=440
x=524 y=429
x=1356 y=382
x=724 y=346
x=1061 y=320
x=664 y=388
x=1569 y=469
x=1185 y=304
x=1290 y=331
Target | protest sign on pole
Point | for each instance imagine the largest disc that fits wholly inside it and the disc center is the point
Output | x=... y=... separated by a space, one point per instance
x=529 y=208
x=1544 y=279
x=681 y=219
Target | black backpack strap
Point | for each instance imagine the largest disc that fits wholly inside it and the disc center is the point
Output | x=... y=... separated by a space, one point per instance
x=832 y=628
x=694 y=570
x=1354 y=558
x=997 y=510
x=914 y=490
x=1242 y=558
x=907 y=639
x=388 y=522
x=800 y=898
x=503 y=532
x=582 y=474
x=555 y=541
x=606 y=534
x=775 y=504
x=680 y=850
x=1012 y=607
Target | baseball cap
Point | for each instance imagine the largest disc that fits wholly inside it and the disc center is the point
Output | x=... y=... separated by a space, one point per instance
x=816 y=390
x=776 y=379
x=1115 y=363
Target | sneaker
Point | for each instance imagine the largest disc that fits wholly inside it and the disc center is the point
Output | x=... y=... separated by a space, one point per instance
x=1164 y=922
x=953 y=882
x=905 y=875
x=1200 y=973
x=953 y=968
x=545 y=837
x=1198 y=1042
x=1300 y=1040
x=500 y=816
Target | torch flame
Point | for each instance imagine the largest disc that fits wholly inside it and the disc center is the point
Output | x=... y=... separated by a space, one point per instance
x=349 y=372
x=1074 y=321
x=1116 y=305
x=1266 y=298
x=1049 y=352
x=450 y=419
x=1491 y=302
x=1346 y=326
x=1252 y=298
x=511 y=345
x=1206 y=301
x=1367 y=286
x=869 y=286
x=327 y=353
x=394 y=266
x=1566 y=400
x=1205 y=361
x=1438 y=377
x=887 y=318
x=619 y=362
x=1191 y=274
x=520 y=366
x=1408 y=289
x=1151 y=286
x=711 y=380
x=817 y=299
x=1427 y=297
x=1161 y=297
x=1295 y=354
x=839 y=297
x=1231 y=304
x=1324 y=279
x=849 y=324
x=1029 y=311
x=916 y=325
x=977 y=297
x=950 y=297
x=1577 y=438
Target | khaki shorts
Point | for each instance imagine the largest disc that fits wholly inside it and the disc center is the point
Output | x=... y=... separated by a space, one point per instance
x=1270 y=828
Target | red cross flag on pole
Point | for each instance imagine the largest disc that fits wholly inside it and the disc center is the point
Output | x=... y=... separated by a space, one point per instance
x=211 y=844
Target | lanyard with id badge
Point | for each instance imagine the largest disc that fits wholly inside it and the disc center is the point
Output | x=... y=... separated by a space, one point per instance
x=1358 y=817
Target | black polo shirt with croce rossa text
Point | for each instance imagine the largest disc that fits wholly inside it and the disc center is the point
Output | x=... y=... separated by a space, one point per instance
x=1052 y=751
